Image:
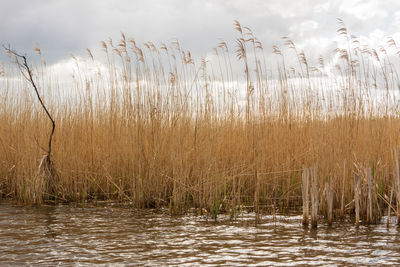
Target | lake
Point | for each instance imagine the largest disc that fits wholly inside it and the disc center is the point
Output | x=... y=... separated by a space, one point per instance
x=117 y=236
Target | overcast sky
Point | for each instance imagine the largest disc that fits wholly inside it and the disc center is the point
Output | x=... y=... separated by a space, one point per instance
x=65 y=27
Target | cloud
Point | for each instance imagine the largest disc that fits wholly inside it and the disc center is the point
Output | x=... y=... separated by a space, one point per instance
x=363 y=10
x=65 y=27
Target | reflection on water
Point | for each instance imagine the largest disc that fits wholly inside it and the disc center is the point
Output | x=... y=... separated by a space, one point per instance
x=118 y=236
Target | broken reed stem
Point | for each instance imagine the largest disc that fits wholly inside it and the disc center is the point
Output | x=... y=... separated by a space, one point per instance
x=357 y=191
x=369 y=210
x=329 y=202
x=397 y=182
x=314 y=197
x=343 y=183
x=389 y=206
x=256 y=200
x=304 y=190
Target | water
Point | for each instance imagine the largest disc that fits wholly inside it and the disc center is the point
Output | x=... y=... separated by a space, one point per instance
x=66 y=235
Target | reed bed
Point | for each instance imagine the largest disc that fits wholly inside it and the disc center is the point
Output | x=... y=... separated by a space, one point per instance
x=151 y=126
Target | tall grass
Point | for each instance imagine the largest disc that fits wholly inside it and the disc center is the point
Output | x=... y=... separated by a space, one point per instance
x=154 y=127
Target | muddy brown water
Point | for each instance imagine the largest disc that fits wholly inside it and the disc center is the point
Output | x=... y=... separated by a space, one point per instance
x=112 y=236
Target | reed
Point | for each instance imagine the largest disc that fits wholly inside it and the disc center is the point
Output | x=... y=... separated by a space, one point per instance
x=304 y=191
x=370 y=216
x=397 y=182
x=342 y=204
x=389 y=208
x=154 y=127
x=357 y=197
x=329 y=203
x=314 y=197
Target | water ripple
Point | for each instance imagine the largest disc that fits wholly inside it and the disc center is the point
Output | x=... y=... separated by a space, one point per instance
x=64 y=235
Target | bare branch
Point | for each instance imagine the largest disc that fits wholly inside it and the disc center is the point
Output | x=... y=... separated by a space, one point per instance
x=26 y=71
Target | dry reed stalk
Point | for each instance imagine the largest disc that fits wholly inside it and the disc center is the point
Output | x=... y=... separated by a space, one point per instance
x=389 y=207
x=343 y=188
x=369 y=206
x=256 y=200
x=397 y=182
x=357 y=193
x=304 y=189
x=48 y=174
x=329 y=202
x=314 y=197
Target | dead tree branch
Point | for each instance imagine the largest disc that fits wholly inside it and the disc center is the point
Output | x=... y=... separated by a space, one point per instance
x=26 y=71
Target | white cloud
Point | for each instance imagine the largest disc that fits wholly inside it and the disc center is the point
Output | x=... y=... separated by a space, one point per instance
x=396 y=20
x=304 y=29
x=363 y=10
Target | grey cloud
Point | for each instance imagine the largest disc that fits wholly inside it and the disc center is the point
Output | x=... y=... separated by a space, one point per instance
x=64 y=27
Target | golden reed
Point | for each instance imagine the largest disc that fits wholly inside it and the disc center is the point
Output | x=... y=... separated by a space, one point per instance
x=153 y=127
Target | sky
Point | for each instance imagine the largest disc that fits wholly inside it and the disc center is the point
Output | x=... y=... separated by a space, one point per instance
x=64 y=27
